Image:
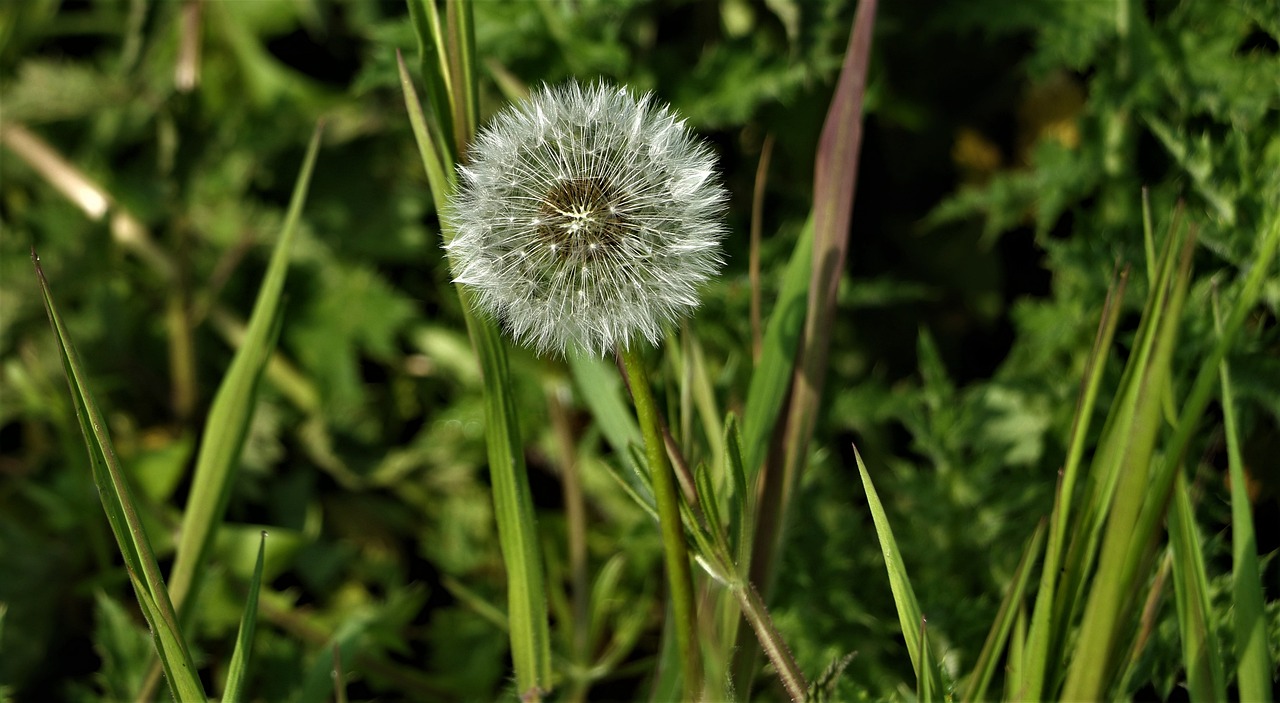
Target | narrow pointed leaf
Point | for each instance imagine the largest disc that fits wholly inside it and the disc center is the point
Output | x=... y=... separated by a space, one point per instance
x=122 y=515
x=238 y=669
x=1254 y=664
x=233 y=405
x=1200 y=653
x=904 y=596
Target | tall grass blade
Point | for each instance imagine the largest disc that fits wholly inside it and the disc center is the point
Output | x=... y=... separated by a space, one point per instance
x=904 y=596
x=1126 y=454
x=237 y=671
x=440 y=176
x=771 y=379
x=233 y=405
x=1254 y=664
x=122 y=515
x=989 y=658
x=1047 y=624
x=835 y=176
x=450 y=92
x=1201 y=655
x=433 y=66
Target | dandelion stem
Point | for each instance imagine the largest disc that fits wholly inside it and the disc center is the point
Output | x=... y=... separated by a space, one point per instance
x=675 y=550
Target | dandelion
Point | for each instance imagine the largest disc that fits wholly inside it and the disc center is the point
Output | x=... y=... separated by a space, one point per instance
x=586 y=218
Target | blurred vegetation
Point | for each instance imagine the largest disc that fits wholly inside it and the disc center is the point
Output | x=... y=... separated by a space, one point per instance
x=1005 y=151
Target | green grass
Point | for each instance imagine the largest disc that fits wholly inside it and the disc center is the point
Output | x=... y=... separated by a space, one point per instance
x=1007 y=431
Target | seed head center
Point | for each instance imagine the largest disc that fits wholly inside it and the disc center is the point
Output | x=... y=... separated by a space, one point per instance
x=581 y=219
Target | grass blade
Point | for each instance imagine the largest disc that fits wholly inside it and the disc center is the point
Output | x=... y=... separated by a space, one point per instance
x=988 y=659
x=1047 y=624
x=904 y=596
x=1200 y=652
x=772 y=376
x=513 y=510
x=122 y=515
x=237 y=670
x=440 y=177
x=233 y=405
x=1125 y=457
x=433 y=66
x=1253 y=672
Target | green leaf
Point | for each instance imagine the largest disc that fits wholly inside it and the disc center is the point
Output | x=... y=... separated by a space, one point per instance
x=126 y=525
x=1201 y=655
x=238 y=669
x=910 y=618
x=772 y=376
x=233 y=406
x=1010 y=608
x=1254 y=663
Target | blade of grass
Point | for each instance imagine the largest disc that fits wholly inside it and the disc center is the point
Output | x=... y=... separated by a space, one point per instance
x=440 y=177
x=1202 y=388
x=904 y=596
x=1200 y=653
x=460 y=43
x=238 y=669
x=233 y=405
x=835 y=175
x=924 y=684
x=1128 y=454
x=988 y=659
x=1040 y=660
x=434 y=68
x=772 y=376
x=512 y=499
x=513 y=511
x=757 y=220
x=122 y=516
x=1253 y=668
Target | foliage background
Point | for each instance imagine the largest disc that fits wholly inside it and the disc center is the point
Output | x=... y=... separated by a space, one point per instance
x=999 y=186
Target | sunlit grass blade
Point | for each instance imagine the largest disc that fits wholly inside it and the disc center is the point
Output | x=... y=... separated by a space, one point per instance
x=904 y=596
x=1200 y=651
x=122 y=515
x=989 y=658
x=1048 y=625
x=835 y=175
x=1254 y=664
x=238 y=669
x=433 y=66
x=447 y=97
x=440 y=176
x=772 y=376
x=738 y=496
x=1127 y=451
x=233 y=406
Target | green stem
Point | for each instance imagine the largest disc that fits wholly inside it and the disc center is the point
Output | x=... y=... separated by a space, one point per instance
x=771 y=641
x=675 y=550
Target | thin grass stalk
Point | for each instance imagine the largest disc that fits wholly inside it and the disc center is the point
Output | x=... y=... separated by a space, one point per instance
x=126 y=525
x=513 y=502
x=674 y=547
x=1040 y=637
x=1200 y=653
x=1254 y=664
x=1094 y=667
x=757 y=225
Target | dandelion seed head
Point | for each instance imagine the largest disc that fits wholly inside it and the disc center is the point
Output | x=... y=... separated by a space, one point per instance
x=586 y=218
